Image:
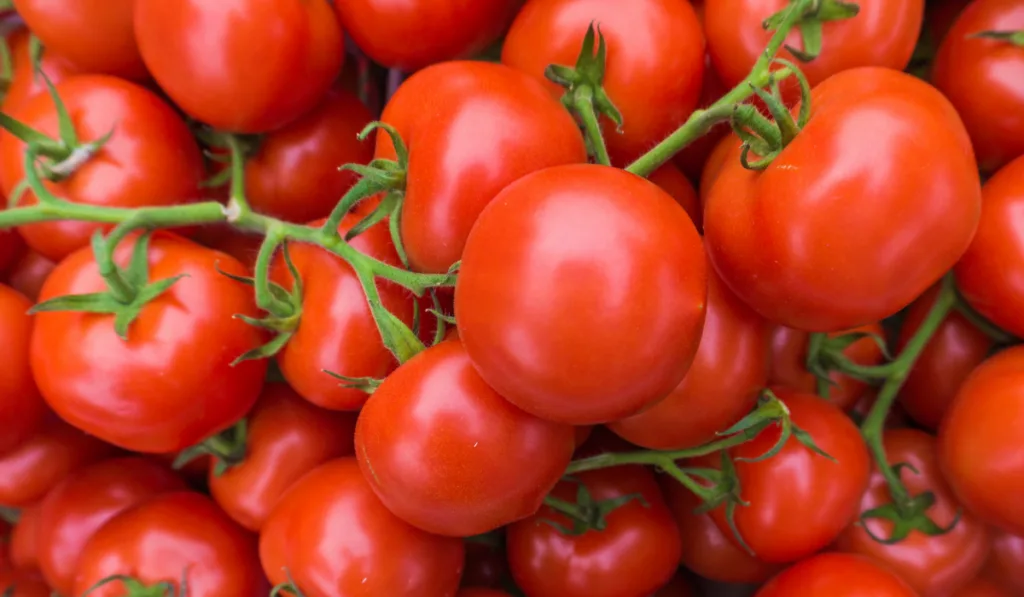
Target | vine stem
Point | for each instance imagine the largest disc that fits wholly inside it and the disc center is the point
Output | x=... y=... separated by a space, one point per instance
x=662 y=459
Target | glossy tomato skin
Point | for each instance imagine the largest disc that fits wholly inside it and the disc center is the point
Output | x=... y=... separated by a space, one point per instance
x=84 y=501
x=931 y=565
x=566 y=240
x=22 y=409
x=668 y=59
x=490 y=463
x=12 y=248
x=984 y=469
x=25 y=83
x=723 y=383
x=150 y=160
x=717 y=159
x=229 y=81
x=675 y=183
x=1006 y=560
x=634 y=555
x=335 y=538
x=836 y=575
x=287 y=437
x=171 y=384
x=975 y=74
x=24 y=547
x=817 y=251
x=18 y=583
x=990 y=273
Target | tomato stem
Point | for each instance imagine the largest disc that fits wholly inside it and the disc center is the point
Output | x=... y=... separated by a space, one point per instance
x=583 y=105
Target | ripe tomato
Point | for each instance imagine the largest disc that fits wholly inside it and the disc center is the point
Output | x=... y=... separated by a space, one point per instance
x=12 y=248
x=658 y=42
x=982 y=587
x=990 y=275
x=21 y=407
x=566 y=238
x=150 y=160
x=675 y=183
x=287 y=437
x=460 y=158
x=714 y=165
x=231 y=81
x=24 y=548
x=180 y=356
x=727 y=375
x=172 y=537
x=443 y=29
x=18 y=583
x=491 y=463
x=84 y=501
x=96 y=36
x=979 y=440
x=336 y=331
x=836 y=575
x=635 y=554
x=25 y=81
x=1006 y=561
x=334 y=537
x=974 y=73
x=241 y=244
x=29 y=272
x=820 y=241
x=777 y=524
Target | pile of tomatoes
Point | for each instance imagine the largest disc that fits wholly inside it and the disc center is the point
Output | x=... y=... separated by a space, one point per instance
x=512 y=298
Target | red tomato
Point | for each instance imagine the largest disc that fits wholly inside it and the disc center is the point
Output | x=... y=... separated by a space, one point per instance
x=656 y=42
x=172 y=538
x=18 y=583
x=150 y=160
x=981 y=587
x=84 y=501
x=28 y=273
x=635 y=554
x=21 y=407
x=714 y=165
x=240 y=244
x=25 y=82
x=820 y=241
x=990 y=274
x=567 y=240
x=443 y=29
x=335 y=538
x=836 y=575
x=979 y=440
x=1006 y=561
x=12 y=248
x=976 y=75
x=24 y=548
x=261 y=63
x=96 y=36
x=693 y=157
x=727 y=375
x=490 y=463
x=287 y=437
x=472 y=128
x=675 y=183
x=178 y=358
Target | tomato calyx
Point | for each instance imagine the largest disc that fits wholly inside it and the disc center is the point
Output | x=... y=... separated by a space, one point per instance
x=367 y=385
x=908 y=514
x=826 y=354
x=227 y=448
x=288 y=585
x=767 y=138
x=815 y=15
x=133 y=587
x=1012 y=37
x=586 y=513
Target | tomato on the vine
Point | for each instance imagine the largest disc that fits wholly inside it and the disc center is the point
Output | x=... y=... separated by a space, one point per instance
x=19 y=583
x=692 y=159
x=12 y=248
x=675 y=183
x=836 y=575
x=26 y=82
x=29 y=272
x=22 y=409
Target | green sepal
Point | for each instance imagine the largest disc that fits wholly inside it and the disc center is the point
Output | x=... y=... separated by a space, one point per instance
x=588 y=73
x=911 y=517
x=810 y=24
x=586 y=513
x=367 y=385
x=288 y=585
x=1014 y=37
x=227 y=448
x=378 y=215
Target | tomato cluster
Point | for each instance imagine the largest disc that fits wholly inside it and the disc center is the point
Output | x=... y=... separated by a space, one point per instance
x=512 y=298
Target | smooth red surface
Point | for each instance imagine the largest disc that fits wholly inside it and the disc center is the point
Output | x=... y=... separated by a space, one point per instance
x=675 y=183
x=22 y=584
x=28 y=273
x=25 y=83
x=1006 y=561
x=24 y=543
x=836 y=575
x=21 y=407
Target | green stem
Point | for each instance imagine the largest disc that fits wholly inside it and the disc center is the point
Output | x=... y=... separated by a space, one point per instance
x=264 y=297
x=238 y=205
x=662 y=459
x=994 y=332
x=584 y=106
x=569 y=509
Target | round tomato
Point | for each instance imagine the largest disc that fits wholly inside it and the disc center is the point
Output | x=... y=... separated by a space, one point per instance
x=975 y=74
x=286 y=438
x=334 y=537
x=610 y=286
x=727 y=375
x=836 y=575
x=714 y=165
x=28 y=274
x=654 y=67
x=472 y=128
x=25 y=81
x=180 y=349
x=820 y=240
x=21 y=407
x=261 y=63
x=18 y=583
x=675 y=183
x=151 y=158
x=84 y=501
x=982 y=587
x=979 y=440
x=1006 y=562
x=490 y=462
x=24 y=547
x=635 y=554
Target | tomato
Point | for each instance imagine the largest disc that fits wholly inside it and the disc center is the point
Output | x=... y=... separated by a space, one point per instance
x=24 y=548
x=706 y=550
x=789 y=356
x=777 y=525
x=693 y=157
x=230 y=81
x=25 y=82
x=635 y=554
x=28 y=274
x=979 y=440
x=181 y=356
x=449 y=117
x=443 y=29
x=96 y=36
x=727 y=375
x=714 y=165
x=12 y=248
x=975 y=74
x=21 y=407
x=84 y=501
x=18 y=583
x=836 y=575
x=566 y=239
x=677 y=587
x=294 y=175
x=654 y=67
x=820 y=240
x=336 y=331
x=335 y=538
x=981 y=587
x=486 y=565
x=177 y=537
x=675 y=183
x=150 y=160
x=240 y=244
x=287 y=437
x=1006 y=561
x=990 y=273
x=490 y=463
